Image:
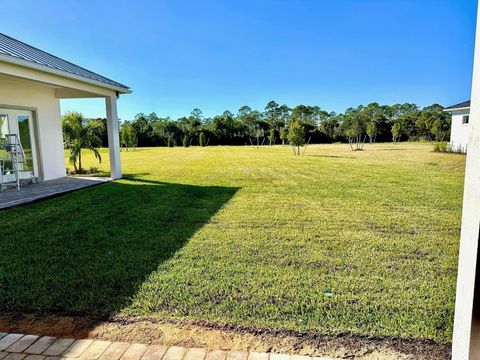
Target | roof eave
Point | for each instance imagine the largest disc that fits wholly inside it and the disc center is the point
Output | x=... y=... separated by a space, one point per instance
x=54 y=71
x=457 y=109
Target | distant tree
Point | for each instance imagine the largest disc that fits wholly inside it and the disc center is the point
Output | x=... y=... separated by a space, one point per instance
x=245 y=110
x=331 y=126
x=196 y=114
x=376 y=118
x=128 y=137
x=272 y=114
x=80 y=133
x=355 y=123
x=170 y=141
x=271 y=136
x=372 y=131
x=101 y=130
x=283 y=135
x=186 y=141
x=259 y=133
x=249 y=121
x=145 y=128
x=305 y=114
x=396 y=132
x=249 y=125
x=433 y=122
x=202 y=140
x=320 y=116
x=296 y=136
x=166 y=128
x=189 y=125
x=283 y=115
x=224 y=127
x=408 y=119
x=440 y=129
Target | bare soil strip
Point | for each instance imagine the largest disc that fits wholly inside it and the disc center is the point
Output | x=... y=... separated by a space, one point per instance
x=217 y=336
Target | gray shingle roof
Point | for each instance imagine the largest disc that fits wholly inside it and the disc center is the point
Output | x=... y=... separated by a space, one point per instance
x=465 y=104
x=19 y=50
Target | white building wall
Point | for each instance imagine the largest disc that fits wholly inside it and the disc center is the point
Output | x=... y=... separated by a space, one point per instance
x=28 y=94
x=459 y=131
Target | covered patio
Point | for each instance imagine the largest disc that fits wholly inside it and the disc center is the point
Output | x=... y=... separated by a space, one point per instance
x=32 y=83
x=34 y=192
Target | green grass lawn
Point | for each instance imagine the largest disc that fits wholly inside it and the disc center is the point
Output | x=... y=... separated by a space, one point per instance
x=334 y=241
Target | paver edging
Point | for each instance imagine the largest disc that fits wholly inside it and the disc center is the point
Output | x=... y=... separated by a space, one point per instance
x=32 y=347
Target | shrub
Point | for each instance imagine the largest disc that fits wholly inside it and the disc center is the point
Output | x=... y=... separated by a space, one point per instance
x=441 y=147
x=445 y=147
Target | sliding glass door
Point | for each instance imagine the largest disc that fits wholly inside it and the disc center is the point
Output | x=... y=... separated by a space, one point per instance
x=19 y=122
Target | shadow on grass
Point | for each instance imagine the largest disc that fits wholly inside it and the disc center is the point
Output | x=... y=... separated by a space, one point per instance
x=87 y=252
x=333 y=156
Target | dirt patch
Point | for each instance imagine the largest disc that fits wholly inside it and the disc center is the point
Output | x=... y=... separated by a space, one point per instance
x=215 y=336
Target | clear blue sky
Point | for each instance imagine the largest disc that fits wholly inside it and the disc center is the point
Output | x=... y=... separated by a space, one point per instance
x=218 y=55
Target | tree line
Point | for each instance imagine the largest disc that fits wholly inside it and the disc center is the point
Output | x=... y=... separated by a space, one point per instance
x=365 y=123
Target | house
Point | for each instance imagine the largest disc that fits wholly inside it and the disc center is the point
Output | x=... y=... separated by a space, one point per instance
x=32 y=82
x=459 y=129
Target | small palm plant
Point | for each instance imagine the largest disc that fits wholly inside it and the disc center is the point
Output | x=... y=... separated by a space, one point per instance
x=81 y=133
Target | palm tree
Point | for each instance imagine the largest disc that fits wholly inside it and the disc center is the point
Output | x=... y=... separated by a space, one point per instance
x=81 y=133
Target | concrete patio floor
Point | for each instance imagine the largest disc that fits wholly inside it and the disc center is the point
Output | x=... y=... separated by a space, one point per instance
x=34 y=192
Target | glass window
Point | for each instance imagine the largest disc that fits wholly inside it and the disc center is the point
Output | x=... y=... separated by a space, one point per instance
x=4 y=129
x=465 y=119
x=3 y=125
x=24 y=135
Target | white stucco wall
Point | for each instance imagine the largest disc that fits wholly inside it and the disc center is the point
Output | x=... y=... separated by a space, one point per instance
x=23 y=93
x=459 y=132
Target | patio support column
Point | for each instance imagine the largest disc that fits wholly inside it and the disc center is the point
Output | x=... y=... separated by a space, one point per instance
x=465 y=341
x=113 y=137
